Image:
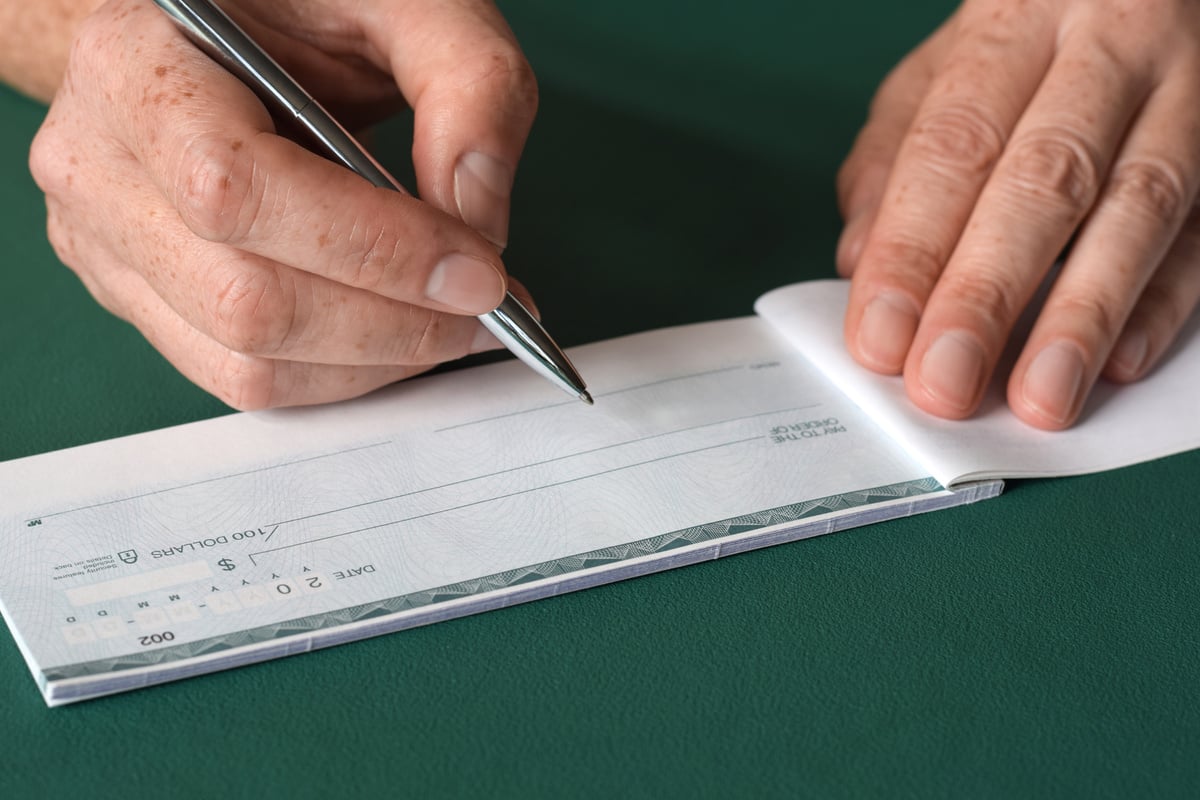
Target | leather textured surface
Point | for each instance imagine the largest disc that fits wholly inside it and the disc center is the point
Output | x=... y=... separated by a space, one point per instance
x=1041 y=644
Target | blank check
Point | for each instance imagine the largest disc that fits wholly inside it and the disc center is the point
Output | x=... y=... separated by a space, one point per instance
x=252 y=536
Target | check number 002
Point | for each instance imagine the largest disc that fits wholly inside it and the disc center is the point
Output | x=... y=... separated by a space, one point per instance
x=156 y=638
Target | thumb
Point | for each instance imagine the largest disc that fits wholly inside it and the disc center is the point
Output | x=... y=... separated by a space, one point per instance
x=474 y=98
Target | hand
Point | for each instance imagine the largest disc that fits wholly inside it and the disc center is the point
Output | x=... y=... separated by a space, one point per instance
x=1016 y=126
x=266 y=274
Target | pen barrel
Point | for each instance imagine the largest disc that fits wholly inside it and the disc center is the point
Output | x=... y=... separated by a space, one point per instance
x=342 y=147
x=212 y=30
x=520 y=332
x=223 y=40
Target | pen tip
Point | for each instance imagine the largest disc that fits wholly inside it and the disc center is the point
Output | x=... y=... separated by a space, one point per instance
x=587 y=398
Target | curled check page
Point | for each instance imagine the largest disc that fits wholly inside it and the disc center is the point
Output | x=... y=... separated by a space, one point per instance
x=1119 y=426
x=252 y=536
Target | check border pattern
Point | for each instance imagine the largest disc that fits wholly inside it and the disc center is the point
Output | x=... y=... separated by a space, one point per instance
x=560 y=567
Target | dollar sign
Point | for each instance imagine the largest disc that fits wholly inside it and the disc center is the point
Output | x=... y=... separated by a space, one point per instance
x=226 y=564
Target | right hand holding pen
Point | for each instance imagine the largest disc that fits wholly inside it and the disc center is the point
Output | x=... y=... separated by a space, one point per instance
x=268 y=275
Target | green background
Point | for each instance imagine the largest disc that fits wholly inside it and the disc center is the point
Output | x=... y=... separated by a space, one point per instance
x=1043 y=643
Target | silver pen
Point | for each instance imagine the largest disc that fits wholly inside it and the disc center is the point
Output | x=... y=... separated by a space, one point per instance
x=225 y=42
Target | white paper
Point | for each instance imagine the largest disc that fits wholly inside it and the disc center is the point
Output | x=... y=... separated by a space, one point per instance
x=257 y=535
x=1120 y=425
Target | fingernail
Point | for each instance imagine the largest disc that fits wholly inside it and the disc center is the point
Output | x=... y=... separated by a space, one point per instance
x=1130 y=353
x=886 y=330
x=484 y=340
x=482 y=187
x=952 y=369
x=1053 y=380
x=469 y=284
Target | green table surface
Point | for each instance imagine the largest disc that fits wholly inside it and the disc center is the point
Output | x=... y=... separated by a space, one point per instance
x=1044 y=643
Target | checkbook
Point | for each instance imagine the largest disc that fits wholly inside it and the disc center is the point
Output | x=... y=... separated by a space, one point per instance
x=244 y=538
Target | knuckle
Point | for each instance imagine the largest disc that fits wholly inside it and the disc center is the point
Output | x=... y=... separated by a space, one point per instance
x=1100 y=317
x=244 y=382
x=110 y=300
x=215 y=190
x=912 y=262
x=1058 y=165
x=1153 y=187
x=959 y=139
x=984 y=295
x=49 y=160
x=424 y=343
x=58 y=232
x=503 y=71
x=379 y=248
x=254 y=314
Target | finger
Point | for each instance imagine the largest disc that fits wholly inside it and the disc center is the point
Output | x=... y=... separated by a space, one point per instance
x=330 y=58
x=246 y=303
x=1166 y=304
x=242 y=381
x=258 y=307
x=955 y=140
x=1046 y=181
x=245 y=382
x=1138 y=214
x=863 y=175
x=206 y=143
x=78 y=252
x=249 y=383
x=474 y=98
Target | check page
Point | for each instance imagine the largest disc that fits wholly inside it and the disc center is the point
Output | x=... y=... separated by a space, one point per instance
x=252 y=536
x=1120 y=425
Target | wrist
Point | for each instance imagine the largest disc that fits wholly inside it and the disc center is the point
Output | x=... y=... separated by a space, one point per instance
x=35 y=40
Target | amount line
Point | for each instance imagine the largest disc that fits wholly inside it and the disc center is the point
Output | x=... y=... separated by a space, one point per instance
x=531 y=465
x=208 y=480
x=574 y=404
x=506 y=496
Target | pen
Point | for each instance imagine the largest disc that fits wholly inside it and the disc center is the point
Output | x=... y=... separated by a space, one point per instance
x=226 y=43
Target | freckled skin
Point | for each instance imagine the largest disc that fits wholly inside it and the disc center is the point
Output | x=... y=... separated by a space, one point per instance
x=1014 y=129
x=171 y=196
